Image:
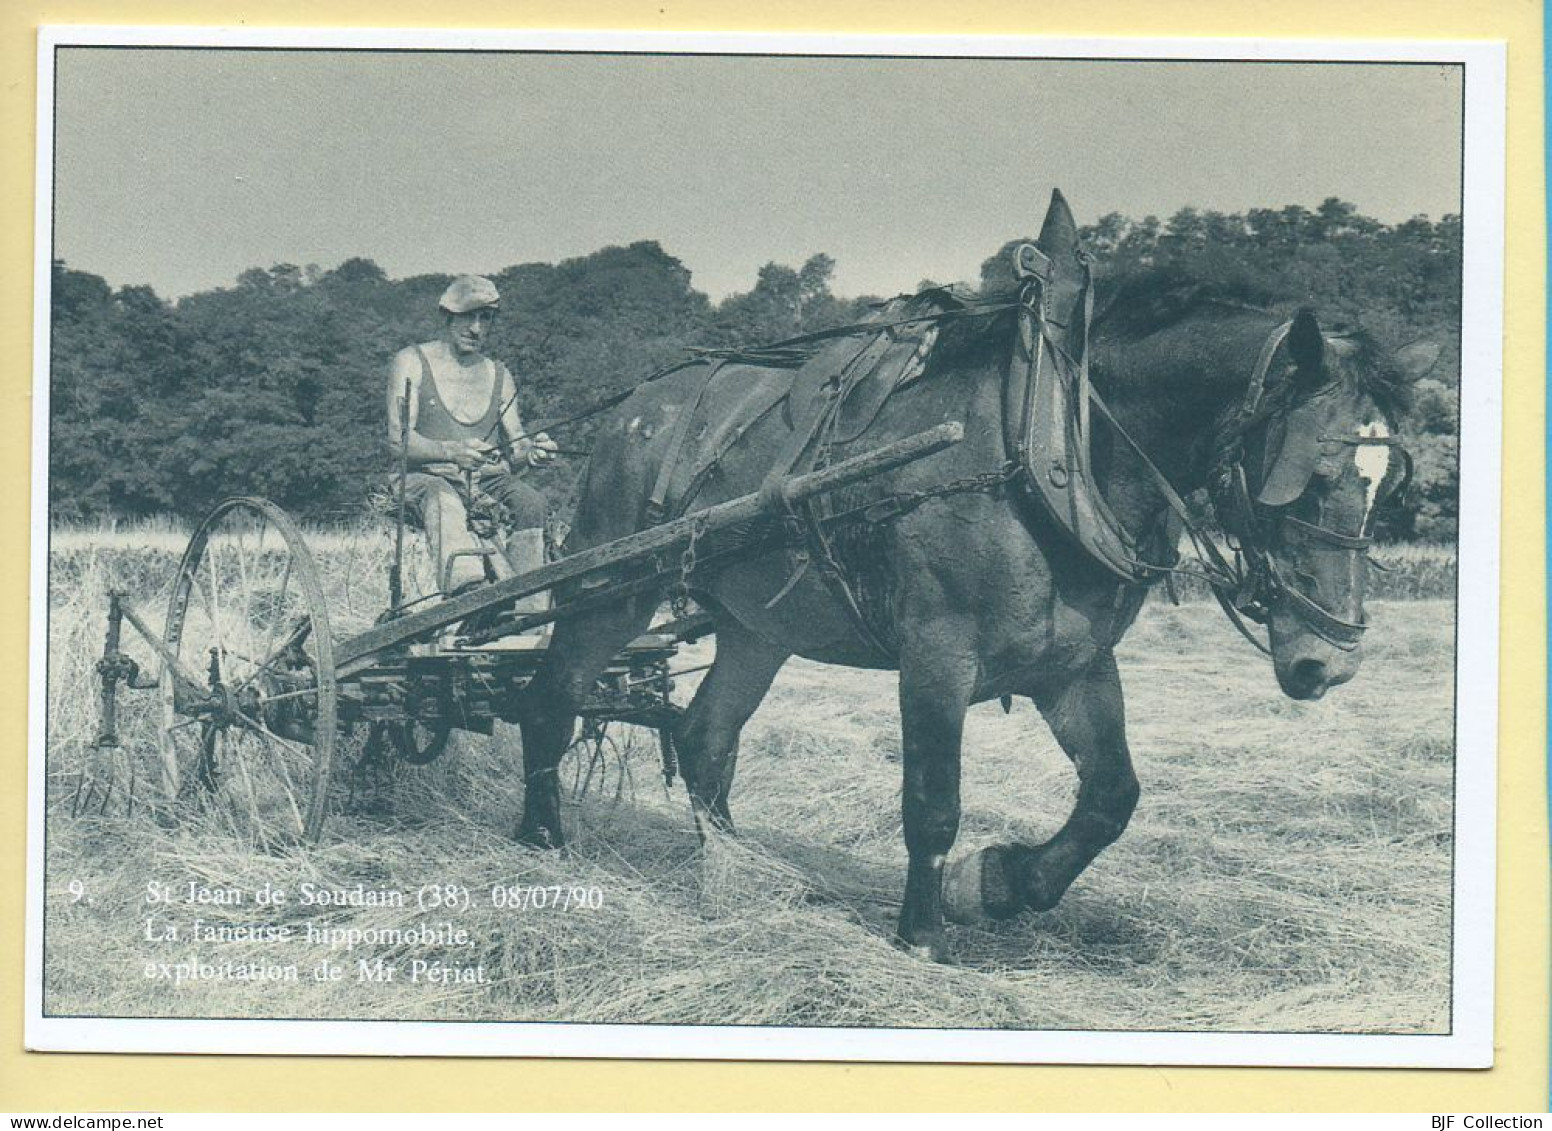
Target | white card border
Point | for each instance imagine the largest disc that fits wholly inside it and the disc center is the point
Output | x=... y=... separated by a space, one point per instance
x=1468 y=1045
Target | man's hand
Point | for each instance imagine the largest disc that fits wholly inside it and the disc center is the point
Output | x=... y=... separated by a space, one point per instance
x=470 y=455
x=541 y=449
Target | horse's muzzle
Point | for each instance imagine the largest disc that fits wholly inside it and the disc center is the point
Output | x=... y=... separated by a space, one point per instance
x=1307 y=667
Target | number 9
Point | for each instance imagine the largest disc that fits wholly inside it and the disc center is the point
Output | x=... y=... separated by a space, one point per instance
x=77 y=891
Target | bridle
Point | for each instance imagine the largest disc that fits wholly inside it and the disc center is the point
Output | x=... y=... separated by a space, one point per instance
x=1256 y=585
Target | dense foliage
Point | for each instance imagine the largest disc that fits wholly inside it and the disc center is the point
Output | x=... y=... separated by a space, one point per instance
x=275 y=386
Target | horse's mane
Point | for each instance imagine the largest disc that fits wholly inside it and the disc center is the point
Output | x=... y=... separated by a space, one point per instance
x=1378 y=373
x=979 y=324
x=1147 y=300
x=1142 y=302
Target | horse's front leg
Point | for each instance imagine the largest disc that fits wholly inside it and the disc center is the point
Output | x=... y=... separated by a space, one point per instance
x=935 y=689
x=1088 y=717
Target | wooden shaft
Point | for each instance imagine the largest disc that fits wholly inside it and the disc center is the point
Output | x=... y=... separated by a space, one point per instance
x=353 y=654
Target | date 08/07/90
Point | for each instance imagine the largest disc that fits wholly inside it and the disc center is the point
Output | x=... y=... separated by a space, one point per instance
x=512 y=897
x=554 y=897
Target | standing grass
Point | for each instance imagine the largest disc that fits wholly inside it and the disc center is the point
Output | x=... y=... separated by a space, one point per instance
x=1287 y=870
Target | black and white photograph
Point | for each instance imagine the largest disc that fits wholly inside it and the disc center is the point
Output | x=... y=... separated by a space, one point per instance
x=765 y=546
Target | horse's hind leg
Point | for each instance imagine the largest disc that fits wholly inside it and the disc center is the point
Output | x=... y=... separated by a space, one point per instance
x=707 y=736
x=579 y=649
x=1088 y=718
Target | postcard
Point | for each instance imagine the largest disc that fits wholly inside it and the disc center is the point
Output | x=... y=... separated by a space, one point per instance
x=772 y=547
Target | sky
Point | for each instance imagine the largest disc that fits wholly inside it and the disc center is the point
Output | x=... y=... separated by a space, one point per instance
x=182 y=168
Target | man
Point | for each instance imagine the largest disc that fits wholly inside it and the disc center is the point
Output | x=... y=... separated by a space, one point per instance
x=464 y=429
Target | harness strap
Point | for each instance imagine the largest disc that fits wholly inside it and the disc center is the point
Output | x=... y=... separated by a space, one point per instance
x=1321 y=533
x=818 y=411
x=657 y=502
x=805 y=519
x=1046 y=422
x=970 y=309
x=1085 y=389
x=788 y=353
x=1344 y=635
x=755 y=407
x=816 y=552
x=1257 y=387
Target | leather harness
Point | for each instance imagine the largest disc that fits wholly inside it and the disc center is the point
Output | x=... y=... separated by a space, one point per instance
x=1047 y=400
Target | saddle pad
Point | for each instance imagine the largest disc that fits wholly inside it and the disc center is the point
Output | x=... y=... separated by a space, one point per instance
x=737 y=398
x=831 y=399
x=900 y=363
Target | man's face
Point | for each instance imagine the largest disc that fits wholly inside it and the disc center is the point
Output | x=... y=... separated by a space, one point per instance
x=468 y=331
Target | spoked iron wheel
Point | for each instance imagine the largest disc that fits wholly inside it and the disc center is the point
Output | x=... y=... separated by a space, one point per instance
x=253 y=744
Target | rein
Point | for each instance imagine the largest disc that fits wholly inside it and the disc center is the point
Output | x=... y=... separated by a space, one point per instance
x=1226 y=581
x=789 y=353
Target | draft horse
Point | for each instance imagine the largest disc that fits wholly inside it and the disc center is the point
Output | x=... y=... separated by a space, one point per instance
x=974 y=594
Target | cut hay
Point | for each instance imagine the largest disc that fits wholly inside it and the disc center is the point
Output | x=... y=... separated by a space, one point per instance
x=1287 y=870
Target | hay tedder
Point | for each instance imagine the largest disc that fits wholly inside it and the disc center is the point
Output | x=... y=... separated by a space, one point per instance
x=258 y=697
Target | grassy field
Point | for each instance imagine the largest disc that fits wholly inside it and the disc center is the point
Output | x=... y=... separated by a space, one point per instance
x=1288 y=868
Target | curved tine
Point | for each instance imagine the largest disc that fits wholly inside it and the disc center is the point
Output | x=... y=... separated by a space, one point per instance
x=573 y=755
x=622 y=759
x=593 y=755
x=204 y=773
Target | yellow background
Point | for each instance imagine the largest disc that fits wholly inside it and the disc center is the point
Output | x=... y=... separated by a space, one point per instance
x=1518 y=1083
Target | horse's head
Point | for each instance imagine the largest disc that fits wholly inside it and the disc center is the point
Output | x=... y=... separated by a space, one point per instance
x=1321 y=453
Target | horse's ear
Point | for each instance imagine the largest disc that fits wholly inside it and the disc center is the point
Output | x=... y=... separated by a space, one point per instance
x=1059 y=233
x=1307 y=347
x=1418 y=359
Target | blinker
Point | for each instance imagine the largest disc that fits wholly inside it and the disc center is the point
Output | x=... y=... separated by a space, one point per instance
x=1293 y=452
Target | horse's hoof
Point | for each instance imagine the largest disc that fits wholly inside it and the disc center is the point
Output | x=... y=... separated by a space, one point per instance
x=977 y=888
x=934 y=948
x=962 y=890
x=710 y=822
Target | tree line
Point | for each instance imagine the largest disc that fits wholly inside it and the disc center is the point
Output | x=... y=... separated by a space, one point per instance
x=274 y=386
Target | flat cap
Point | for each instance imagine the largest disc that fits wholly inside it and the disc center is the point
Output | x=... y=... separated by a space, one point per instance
x=469 y=292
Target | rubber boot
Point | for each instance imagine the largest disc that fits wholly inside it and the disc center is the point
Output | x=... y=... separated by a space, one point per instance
x=525 y=553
